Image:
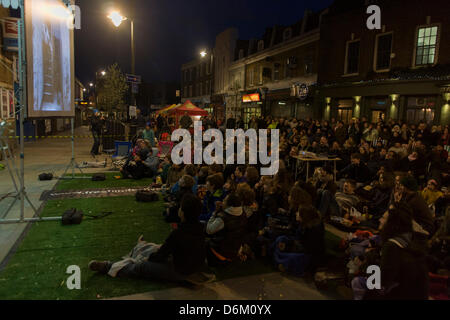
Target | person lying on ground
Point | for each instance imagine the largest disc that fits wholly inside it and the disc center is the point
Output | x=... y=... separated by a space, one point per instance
x=179 y=259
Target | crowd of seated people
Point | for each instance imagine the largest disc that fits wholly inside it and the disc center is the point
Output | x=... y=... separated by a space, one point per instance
x=391 y=193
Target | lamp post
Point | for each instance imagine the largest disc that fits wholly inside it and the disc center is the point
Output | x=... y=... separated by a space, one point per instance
x=203 y=54
x=117 y=20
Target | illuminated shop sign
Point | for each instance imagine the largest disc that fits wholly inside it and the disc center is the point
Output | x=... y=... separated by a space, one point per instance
x=255 y=97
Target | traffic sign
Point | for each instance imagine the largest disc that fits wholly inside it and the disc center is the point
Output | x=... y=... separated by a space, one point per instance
x=134 y=78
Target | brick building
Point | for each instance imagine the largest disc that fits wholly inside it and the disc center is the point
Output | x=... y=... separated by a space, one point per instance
x=197 y=80
x=399 y=72
x=273 y=75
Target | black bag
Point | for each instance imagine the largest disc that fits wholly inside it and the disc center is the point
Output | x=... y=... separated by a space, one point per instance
x=99 y=177
x=72 y=216
x=146 y=196
x=45 y=177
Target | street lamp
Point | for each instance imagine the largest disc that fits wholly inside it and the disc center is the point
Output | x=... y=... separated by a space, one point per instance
x=91 y=84
x=103 y=73
x=117 y=20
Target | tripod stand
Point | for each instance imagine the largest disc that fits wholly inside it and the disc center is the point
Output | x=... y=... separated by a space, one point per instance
x=73 y=164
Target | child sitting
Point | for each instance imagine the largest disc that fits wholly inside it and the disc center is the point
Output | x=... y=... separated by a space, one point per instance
x=214 y=194
x=171 y=214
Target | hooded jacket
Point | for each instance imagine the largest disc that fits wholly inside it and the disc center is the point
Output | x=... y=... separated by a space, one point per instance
x=228 y=229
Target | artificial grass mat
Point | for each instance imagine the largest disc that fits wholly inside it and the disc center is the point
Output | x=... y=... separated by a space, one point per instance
x=38 y=268
x=110 y=182
x=37 y=271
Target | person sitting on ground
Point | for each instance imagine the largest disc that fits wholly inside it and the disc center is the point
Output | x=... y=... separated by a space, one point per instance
x=357 y=170
x=189 y=170
x=136 y=168
x=347 y=199
x=202 y=176
x=226 y=227
x=431 y=193
x=250 y=207
x=215 y=193
x=406 y=193
x=239 y=175
x=186 y=184
x=152 y=164
x=404 y=272
x=180 y=257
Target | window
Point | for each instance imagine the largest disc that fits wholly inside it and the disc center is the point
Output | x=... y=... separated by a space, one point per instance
x=421 y=109
x=384 y=50
x=426 y=46
x=261 y=45
x=308 y=65
x=261 y=74
x=352 y=57
x=241 y=54
x=250 y=74
x=345 y=110
x=276 y=71
x=287 y=34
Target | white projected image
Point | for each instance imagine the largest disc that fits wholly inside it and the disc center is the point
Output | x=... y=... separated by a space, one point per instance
x=51 y=44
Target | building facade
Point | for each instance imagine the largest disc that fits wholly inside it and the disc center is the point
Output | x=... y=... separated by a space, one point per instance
x=197 y=81
x=275 y=75
x=224 y=55
x=399 y=72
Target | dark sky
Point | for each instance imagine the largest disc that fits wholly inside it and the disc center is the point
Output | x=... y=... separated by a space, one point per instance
x=171 y=32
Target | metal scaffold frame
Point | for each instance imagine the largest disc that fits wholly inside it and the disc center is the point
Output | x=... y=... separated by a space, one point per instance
x=22 y=107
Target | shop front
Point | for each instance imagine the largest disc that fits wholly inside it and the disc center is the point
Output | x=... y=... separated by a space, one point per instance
x=252 y=106
x=410 y=101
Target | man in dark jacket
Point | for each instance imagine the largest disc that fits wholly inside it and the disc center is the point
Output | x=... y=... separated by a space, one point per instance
x=185 y=245
x=357 y=170
x=96 y=129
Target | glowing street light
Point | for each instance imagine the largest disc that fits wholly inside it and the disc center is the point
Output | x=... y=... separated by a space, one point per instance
x=116 y=18
x=203 y=54
x=103 y=73
x=91 y=84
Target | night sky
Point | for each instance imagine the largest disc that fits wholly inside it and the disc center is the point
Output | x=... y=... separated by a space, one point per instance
x=171 y=32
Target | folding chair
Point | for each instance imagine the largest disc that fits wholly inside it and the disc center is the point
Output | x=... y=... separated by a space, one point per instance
x=122 y=150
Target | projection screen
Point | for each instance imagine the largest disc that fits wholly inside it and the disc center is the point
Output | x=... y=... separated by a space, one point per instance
x=50 y=59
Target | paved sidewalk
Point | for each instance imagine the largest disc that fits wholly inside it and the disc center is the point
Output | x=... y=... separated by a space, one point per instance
x=45 y=155
x=272 y=286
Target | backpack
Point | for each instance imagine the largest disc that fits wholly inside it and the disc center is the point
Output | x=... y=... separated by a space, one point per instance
x=45 y=177
x=99 y=177
x=146 y=196
x=72 y=216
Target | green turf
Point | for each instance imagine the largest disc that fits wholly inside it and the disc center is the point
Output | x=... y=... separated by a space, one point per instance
x=38 y=269
x=110 y=182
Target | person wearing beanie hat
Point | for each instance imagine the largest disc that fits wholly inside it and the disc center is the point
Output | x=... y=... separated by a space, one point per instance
x=136 y=169
x=431 y=193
